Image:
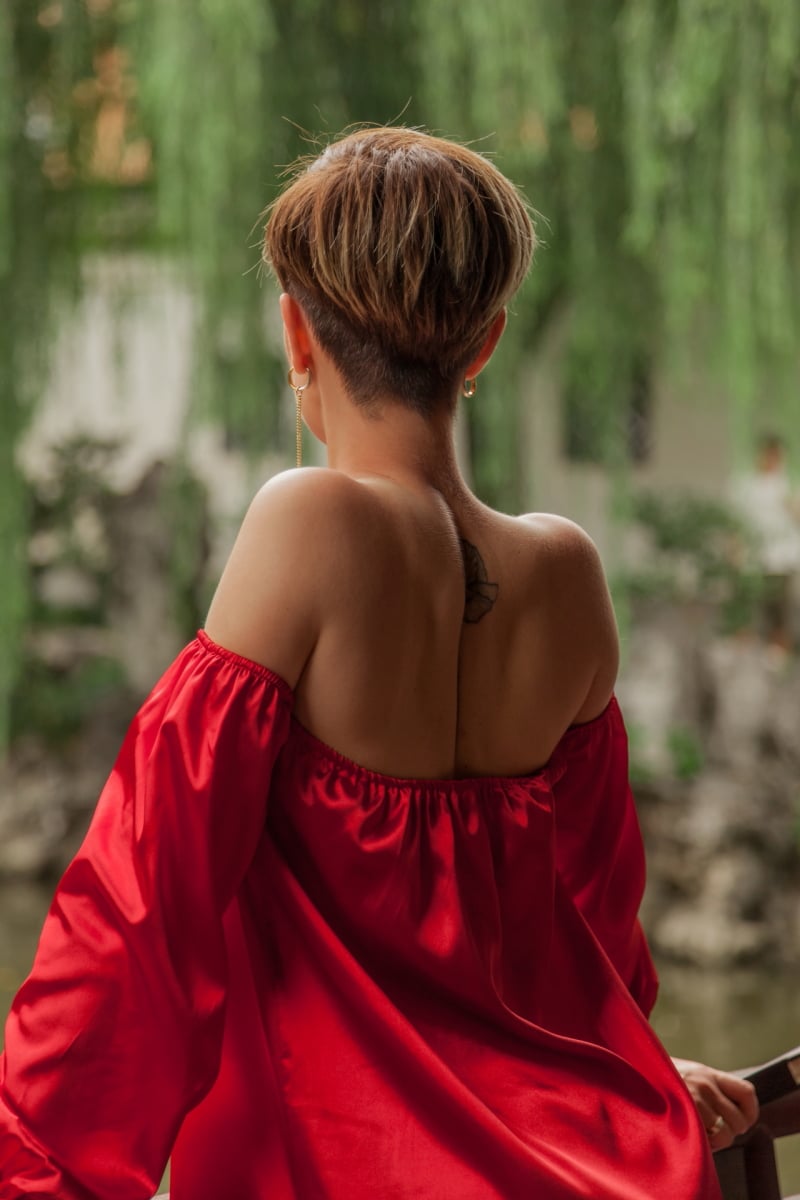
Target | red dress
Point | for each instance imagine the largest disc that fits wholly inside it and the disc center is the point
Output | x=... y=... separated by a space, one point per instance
x=310 y=981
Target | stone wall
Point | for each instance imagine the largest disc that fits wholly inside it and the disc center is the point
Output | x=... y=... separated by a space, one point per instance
x=109 y=610
x=714 y=725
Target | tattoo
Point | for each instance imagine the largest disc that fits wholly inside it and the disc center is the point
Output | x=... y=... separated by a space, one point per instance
x=480 y=594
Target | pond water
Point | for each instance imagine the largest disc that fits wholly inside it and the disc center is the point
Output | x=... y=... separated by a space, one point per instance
x=730 y=1020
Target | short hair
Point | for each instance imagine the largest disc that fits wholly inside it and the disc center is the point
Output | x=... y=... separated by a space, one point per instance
x=402 y=248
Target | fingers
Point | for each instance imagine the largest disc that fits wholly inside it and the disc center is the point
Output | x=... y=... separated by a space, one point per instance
x=740 y=1093
x=721 y=1105
x=720 y=1134
x=722 y=1120
x=727 y=1105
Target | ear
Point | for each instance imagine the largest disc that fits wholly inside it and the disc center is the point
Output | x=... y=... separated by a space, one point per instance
x=296 y=334
x=487 y=349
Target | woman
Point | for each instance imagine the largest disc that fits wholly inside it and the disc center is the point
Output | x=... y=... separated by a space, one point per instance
x=356 y=916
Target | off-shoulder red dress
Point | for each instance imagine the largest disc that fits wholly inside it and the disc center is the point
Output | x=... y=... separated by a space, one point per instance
x=310 y=981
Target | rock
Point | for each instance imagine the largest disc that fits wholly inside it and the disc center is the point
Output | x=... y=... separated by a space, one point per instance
x=737 y=885
x=656 y=687
x=711 y=942
x=723 y=809
x=741 y=679
x=704 y=935
x=724 y=845
x=32 y=819
x=714 y=724
x=67 y=587
x=782 y=736
x=62 y=647
x=25 y=856
x=143 y=609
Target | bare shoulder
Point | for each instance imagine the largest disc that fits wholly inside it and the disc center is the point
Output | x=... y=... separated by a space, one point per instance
x=562 y=540
x=567 y=553
x=308 y=492
x=579 y=601
x=296 y=537
x=310 y=515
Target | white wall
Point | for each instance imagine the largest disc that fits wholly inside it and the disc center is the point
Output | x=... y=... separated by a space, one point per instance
x=690 y=439
x=122 y=368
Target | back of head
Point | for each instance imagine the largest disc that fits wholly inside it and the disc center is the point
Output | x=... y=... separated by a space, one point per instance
x=402 y=248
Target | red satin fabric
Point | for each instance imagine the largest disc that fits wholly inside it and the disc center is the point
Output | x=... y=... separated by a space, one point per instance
x=310 y=981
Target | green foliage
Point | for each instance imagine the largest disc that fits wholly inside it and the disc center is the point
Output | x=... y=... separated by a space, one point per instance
x=65 y=519
x=641 y=774
x=55 y=705
x=661 y=142
x=687 y=754
x=77 y=476
x=7 y=120
x=77 y=568
x=204 y=71
x=227 y=87
x=698 y=550
x=38 y=263
x=691 y=525
x=187 y=516
x=659 y=138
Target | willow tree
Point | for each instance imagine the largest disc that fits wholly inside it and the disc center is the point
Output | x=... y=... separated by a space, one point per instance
x=215 y=98
x=657 y=138
x=660 y=140
x=229 y=107
x=39 y=130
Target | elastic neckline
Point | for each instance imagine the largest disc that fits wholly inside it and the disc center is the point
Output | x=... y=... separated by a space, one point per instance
x=324 y=750
x=246 y=664
x=542 y=775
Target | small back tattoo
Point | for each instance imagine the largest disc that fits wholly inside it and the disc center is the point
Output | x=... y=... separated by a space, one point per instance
x=480 y=594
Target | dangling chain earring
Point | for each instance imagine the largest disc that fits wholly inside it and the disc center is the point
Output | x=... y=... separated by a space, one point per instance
x=298 y=408
x=469 y=388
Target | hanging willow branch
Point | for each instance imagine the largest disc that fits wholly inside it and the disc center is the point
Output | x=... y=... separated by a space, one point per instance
x=204 y=71
x=712 y=95
x=228 y=87
x=661 y=142
x=660 y=139
x=47 y=52
x=31 y=268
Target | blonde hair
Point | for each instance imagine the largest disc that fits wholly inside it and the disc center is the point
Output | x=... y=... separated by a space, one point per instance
x=401 y=248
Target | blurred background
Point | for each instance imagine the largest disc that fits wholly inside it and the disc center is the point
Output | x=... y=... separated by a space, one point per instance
x=647 y=387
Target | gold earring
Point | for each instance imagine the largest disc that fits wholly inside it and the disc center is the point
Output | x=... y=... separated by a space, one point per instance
x=298 y=390
x=469 y=388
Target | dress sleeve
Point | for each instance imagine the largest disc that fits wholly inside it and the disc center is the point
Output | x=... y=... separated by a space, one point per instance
x=117 y=1032
x=599 y=851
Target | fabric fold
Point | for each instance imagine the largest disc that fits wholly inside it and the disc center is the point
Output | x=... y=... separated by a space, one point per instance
x=117 y=1032
x=367 y=988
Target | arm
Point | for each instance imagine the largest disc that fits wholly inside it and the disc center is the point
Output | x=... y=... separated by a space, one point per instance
x=580 y=616
x=117 y=1032
x=276 y=590
x=727 y=1104
x=599 y=851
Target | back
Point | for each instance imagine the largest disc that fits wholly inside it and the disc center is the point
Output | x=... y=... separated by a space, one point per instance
x=424 y=634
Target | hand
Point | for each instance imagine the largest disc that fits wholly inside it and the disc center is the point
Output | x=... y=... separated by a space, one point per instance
x=727 y=1105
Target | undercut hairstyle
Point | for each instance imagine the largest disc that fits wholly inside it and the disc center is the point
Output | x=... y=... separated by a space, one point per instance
x=402 y=249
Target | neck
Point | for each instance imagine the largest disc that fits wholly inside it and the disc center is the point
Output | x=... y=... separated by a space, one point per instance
x=396 y=443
